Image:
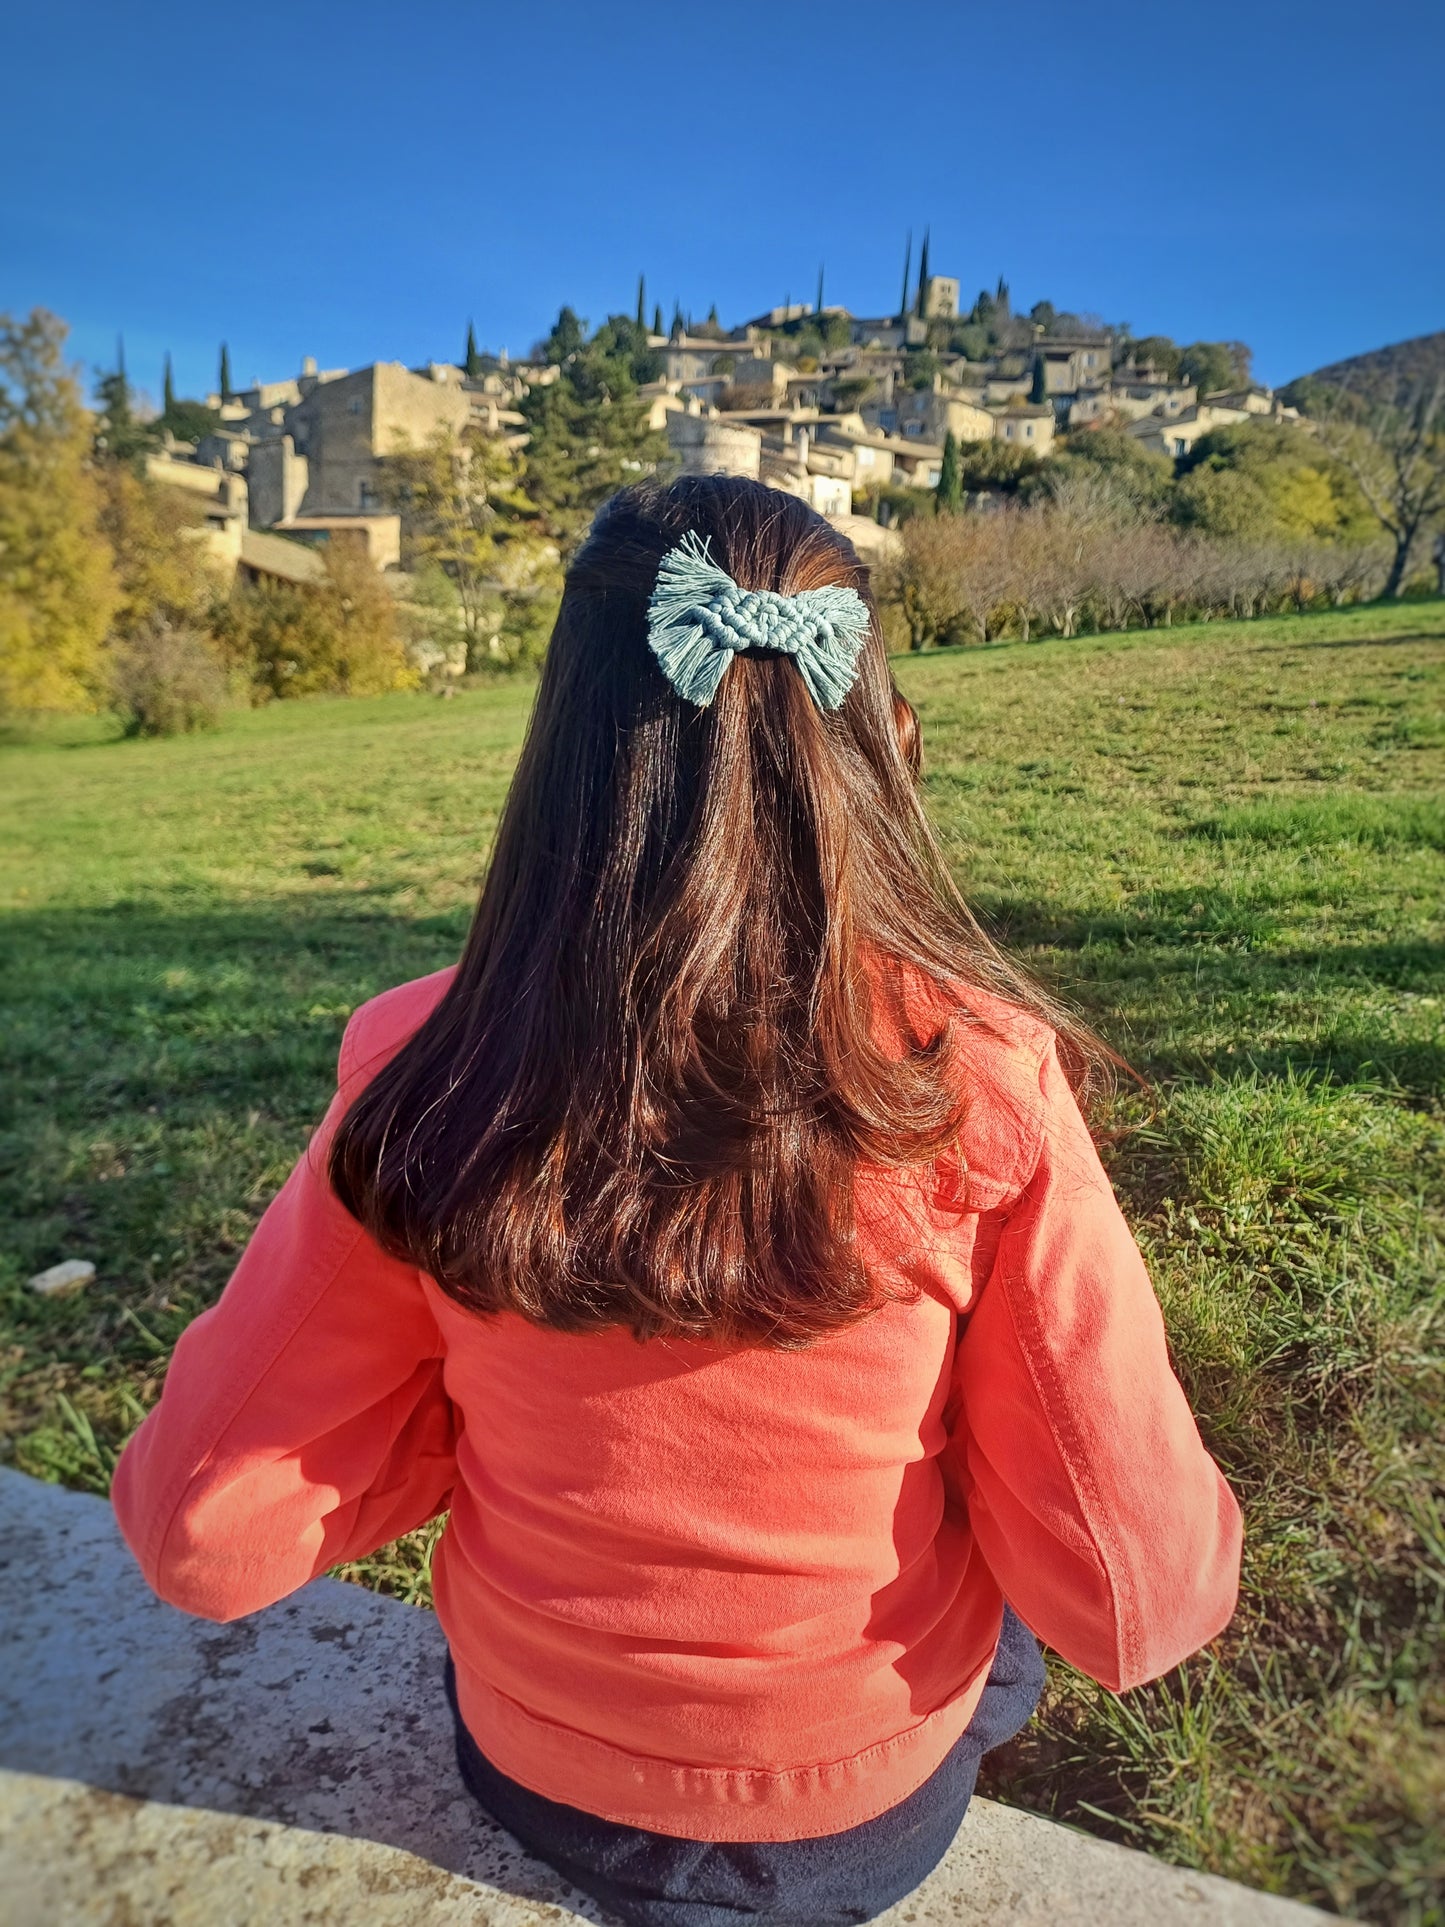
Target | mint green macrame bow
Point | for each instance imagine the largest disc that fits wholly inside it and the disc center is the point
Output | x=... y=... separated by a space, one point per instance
x=698 y=619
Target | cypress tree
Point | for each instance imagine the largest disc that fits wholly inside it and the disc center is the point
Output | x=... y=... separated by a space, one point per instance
x=225 y=381
x=818 y=306
x=948 y=496
x=472 y=361
x=657 y=319
x=922 y=272
x=907 y=271
x=641 y=302
x=168 y=387
x=1040 y=390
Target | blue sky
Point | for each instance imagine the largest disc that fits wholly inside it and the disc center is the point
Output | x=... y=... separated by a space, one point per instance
x=356 y=181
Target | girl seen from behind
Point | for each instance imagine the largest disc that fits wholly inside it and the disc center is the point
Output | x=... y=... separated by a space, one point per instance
x=722 y=1243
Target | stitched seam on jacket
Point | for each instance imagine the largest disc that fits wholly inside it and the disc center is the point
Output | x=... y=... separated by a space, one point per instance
x=1074 y=1461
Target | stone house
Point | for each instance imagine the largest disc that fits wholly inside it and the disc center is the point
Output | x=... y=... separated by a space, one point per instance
x=1074 y=361
x=1176 y=435
x=1025 y=425
x=928 y=414
x=324 y=461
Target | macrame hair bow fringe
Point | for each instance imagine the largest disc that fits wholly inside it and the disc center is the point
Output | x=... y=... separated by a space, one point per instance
x=698 y=619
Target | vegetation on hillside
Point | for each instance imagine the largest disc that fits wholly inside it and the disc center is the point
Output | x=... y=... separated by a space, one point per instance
x=107 y=589
x=108 y=596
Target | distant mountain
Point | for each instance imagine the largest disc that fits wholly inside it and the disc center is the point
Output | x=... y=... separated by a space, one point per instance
x=1376 y=375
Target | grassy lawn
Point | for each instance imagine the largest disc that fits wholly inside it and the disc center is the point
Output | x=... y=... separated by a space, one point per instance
x=1225 y=844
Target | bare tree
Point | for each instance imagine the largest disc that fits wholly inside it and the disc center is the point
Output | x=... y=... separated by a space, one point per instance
x=1394 y=447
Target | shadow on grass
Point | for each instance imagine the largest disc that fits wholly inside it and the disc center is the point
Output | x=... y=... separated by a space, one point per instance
x=1202 y=987
x=145 y=1003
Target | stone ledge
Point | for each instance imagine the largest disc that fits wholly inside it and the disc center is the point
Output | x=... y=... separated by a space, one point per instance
x=297 y=1767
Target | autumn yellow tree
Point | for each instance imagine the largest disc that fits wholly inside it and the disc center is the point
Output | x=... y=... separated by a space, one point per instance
x=58 y=590
x=340 y=635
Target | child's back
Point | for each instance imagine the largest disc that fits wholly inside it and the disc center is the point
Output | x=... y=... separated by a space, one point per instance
x=742 y=1581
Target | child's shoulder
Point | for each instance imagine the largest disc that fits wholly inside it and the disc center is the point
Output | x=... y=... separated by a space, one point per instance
x=378 y=1028
x=1000 y=1050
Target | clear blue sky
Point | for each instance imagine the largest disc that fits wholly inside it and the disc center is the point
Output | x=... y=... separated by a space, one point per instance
x=355 y=181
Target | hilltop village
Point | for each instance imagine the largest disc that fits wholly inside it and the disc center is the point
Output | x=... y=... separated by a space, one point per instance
x=834 y=407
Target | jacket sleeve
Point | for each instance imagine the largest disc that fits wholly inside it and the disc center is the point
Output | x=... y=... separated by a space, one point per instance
x=1109 y=1528
x=304 y=1420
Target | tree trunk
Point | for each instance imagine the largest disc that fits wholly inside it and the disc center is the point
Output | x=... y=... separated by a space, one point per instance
x=1395 y=581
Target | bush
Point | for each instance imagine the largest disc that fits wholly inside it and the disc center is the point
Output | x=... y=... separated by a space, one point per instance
x=166 y=681
x=340 y=637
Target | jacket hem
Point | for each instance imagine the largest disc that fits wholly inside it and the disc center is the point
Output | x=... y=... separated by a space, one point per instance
x=709 y=1803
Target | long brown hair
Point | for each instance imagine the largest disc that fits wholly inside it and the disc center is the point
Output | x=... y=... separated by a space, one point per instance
x=644 y=1097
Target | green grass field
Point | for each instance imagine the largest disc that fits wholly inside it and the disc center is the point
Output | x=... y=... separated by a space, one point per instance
x=1226 y=845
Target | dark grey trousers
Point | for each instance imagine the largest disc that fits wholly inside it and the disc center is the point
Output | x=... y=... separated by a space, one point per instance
x=656 y=1880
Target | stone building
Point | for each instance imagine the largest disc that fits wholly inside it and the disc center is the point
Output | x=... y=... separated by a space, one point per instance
x=714 y=445
x=1025 y=425
x=940 y=298
x=928 y=414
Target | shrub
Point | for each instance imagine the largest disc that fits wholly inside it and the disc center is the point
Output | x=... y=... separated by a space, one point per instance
x=166 y=680
x=339 y=637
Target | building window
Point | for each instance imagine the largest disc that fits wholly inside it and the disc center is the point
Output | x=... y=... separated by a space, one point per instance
x=1028 y=431
x=366 y=496
x=354 y=405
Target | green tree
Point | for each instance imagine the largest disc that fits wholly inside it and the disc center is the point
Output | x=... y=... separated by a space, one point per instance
x=641 y=301
x=588 y=430
x=188 y=421
x=1131 y=472
x=463 y=512
x=948 y=497
x=168 y=387
x=657 y=319
x=567 y=337
x=119 y=434
x=1213 y=365
x=1307 y=492
x=471 y=360
x=1039 y=391
x=922 y=274
x=969 y=339
x=1156 y=351
x=921 y=367
x=57 y=585
x=224 y=379
x=1002 y=468
x=1392 y=444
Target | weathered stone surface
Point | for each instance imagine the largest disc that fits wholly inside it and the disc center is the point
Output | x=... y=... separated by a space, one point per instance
x=297 y=1766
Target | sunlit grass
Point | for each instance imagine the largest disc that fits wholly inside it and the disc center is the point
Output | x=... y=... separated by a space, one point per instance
x=1224 y=845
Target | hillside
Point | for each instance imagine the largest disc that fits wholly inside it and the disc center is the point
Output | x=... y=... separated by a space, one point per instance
x=1377 y=372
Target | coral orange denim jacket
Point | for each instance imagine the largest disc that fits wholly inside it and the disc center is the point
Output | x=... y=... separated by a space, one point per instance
x=721 y=1593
